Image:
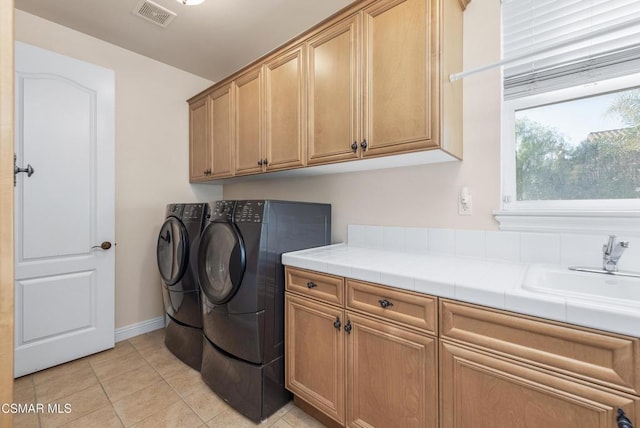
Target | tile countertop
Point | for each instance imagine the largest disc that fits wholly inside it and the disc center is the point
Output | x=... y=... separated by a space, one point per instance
x=492 y=283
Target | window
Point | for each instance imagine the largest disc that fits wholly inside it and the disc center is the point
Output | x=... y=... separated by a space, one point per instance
x=571 y=114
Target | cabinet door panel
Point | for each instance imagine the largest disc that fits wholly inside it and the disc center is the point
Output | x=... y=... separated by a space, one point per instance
x=483 y=391
x=285 y=98
x=314 y=355
x=392 y=376
x=222 y=132
x=606 y=358
x=334 y=93
x=249 y=119
x=399 y=72
x=199 y=139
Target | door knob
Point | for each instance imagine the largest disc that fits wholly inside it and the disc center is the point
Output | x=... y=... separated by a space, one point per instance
x=105 y=245
x=17 y=170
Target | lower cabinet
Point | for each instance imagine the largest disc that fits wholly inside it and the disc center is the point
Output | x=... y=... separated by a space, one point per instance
x=314 y=354
x=392 y=378
x=366 y=355
x=359 y=371
x=480 y=390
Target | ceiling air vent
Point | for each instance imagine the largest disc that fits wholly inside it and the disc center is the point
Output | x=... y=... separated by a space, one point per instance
x=153 y=12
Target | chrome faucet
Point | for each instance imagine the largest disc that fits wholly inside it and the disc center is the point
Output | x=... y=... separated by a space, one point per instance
x=611 y=253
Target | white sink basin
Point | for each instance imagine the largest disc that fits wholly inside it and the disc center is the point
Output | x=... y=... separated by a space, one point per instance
x=562 y=281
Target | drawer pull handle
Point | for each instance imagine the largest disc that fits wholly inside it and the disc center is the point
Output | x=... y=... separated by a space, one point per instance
x=622 y=420
x=311 y=284
x=348 y=327
x=337 y=324
x=385 y=303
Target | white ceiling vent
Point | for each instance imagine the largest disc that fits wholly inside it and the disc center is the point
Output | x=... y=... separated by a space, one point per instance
x=154 y=12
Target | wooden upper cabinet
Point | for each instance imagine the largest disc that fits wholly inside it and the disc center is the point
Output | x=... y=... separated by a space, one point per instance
x=249 y=138
x=285 y=107
x=370 y=81
x=200 y=140
x=401 y=103
x=222 y=109
x=333 y=93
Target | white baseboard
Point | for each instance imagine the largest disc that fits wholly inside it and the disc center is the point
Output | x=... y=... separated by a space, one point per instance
x=142 y=327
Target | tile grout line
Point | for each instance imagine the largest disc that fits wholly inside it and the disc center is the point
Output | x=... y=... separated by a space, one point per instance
x=105 y=392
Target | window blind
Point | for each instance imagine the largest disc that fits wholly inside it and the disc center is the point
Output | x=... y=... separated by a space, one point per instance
x=567 y=43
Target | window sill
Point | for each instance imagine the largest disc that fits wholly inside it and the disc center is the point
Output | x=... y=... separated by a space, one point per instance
x=567 y=221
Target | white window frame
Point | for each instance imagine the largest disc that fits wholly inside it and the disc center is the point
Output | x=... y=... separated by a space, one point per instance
x=581 y=216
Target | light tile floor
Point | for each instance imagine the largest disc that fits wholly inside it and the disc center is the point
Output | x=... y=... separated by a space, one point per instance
x=139 y=383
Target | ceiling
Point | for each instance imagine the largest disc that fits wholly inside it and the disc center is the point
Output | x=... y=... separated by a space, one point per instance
x=211 y=40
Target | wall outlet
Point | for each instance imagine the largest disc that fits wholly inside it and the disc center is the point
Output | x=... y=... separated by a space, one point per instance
x=465 y=202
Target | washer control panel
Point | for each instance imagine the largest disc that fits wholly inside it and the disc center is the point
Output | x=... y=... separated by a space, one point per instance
x=193 y=212
x=223 y=210
x=249 y=212
x=175 y=210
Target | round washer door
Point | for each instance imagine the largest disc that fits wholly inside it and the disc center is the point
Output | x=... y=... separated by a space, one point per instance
x=172 y=251
x=221 y=261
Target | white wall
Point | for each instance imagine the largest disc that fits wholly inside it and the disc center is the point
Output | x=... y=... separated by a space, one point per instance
x=427 y=195
x=151 y=154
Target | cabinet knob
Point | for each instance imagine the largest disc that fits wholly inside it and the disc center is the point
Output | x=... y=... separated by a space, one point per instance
x=364 y=144
x=260 y=162
x=265 y=162
x=385 y=303
x=337 y=323
x=311 y=284
x=622 y=420
x=348 y=327
x=354 y=147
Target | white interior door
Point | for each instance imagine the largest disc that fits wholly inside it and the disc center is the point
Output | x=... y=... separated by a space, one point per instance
x=64 y=296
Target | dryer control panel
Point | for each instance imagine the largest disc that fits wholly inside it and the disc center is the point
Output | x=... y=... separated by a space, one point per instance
x=223 y=211
x=249 y=212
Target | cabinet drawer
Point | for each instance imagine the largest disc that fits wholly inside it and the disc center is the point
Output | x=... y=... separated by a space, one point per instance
x=607 y=359
x=411 y=309
x=320 y=286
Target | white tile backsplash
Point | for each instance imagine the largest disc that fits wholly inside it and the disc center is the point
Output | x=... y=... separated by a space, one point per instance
x=373 y=236
x=393 y=238
x=540 y=248
x=567 y=249
x=415 y=239
x=442 y=241
x=470 y=243
x=502 y=245
x=355 y=235
x=581 y=250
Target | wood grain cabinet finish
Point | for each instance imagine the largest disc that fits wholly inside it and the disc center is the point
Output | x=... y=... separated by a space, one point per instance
x=374 y=81
x=368 y=81
x=334 y=101
x=285 y=98
x=606 y=359
x=390 y=378
x=249 y=133
x=200 y=140
x=314 y=354
x=400 y=108
x=481 y=390
x=328 y=288
x=222 y=120
x=411 y=309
